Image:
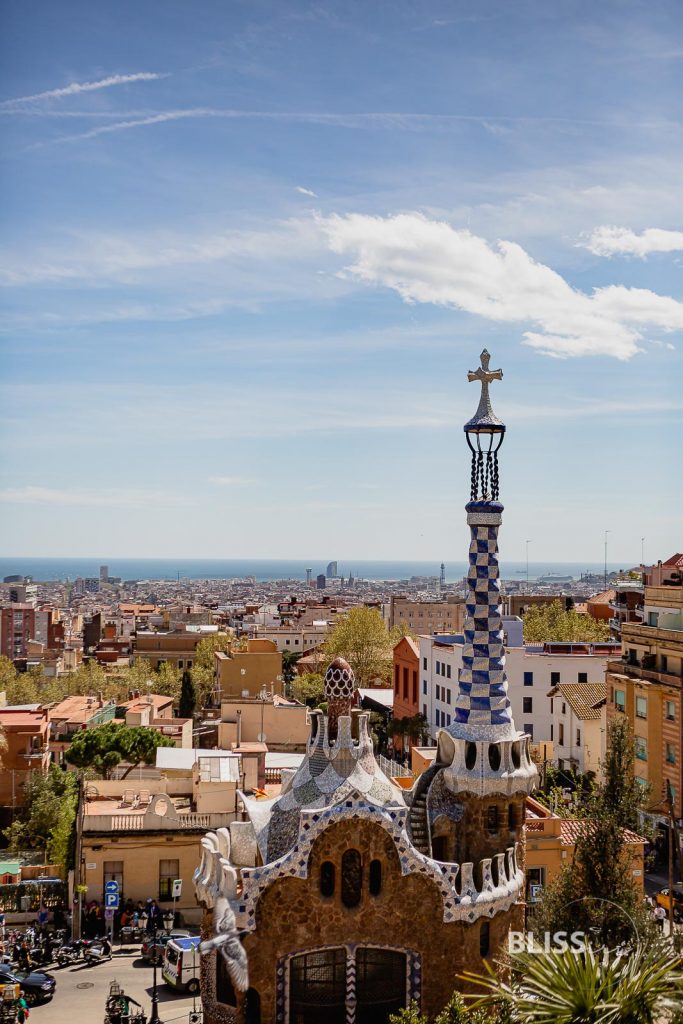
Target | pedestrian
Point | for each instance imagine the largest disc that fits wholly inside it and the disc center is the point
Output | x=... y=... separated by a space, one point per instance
x=660 y=915
x=22 y=1009
x=154 y=917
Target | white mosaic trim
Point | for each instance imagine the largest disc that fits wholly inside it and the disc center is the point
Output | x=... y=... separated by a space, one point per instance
x=462 y=901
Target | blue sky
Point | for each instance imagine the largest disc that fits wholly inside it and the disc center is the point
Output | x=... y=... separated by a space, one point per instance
x=252 y=249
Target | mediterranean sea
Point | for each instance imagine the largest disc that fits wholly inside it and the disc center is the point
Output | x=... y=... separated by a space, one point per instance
x=50 y=569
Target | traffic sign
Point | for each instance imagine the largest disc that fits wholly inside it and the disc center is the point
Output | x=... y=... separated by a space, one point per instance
x=177 y=890
x=111 y=886
x=111 y=900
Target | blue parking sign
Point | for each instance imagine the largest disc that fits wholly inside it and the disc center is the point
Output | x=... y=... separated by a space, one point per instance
x=111 y=900
x=111 y=886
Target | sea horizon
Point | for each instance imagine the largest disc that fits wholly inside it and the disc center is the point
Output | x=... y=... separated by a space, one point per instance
x=47 y=570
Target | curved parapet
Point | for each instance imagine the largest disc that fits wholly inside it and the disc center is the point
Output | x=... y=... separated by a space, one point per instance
x=491 y=767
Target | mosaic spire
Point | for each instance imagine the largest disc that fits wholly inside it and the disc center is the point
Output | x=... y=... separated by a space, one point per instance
x=482 y=707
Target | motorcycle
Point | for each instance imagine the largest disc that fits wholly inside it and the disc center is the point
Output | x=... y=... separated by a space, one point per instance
x=98 y=951
x=72 y=952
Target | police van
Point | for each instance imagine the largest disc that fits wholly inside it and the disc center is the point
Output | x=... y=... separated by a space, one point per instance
x=181 y=964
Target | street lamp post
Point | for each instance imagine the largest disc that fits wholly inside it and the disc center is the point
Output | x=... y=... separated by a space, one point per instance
x=606 y=532
x=154 y=1017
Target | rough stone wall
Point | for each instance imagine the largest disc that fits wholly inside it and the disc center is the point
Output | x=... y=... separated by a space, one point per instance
x=471 y=838
x=292 y=916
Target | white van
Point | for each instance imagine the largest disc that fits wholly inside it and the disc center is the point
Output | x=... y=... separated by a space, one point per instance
x=181 y=964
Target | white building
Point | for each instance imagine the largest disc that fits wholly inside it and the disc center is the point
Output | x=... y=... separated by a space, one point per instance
x=579 y=725
x=292 y=639
x=532 y=671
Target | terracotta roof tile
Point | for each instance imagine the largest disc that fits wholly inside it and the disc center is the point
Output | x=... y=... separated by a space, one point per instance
x=584 y=698
x=571 y=829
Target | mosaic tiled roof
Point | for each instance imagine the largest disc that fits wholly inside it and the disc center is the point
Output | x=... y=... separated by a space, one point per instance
x=329 y=774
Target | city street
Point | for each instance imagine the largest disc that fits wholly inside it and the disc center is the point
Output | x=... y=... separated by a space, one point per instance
x=82 y=992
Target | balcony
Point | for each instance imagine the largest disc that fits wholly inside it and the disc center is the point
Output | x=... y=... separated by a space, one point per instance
x=650 y=675
x=638 y=632
x=132 y=821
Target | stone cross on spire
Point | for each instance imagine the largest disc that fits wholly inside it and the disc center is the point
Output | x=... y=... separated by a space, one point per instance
x=484 y=416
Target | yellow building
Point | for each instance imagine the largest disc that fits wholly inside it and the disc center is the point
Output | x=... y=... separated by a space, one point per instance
x=645 y=685
x=247 y=673
x=145 y=839
x=550 y=844
x=280 y=723
x=426 y=617
x=177 y=648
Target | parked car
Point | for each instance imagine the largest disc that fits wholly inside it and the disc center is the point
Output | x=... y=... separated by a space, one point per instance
x=154 y=950
x=38 y=987
x=663 y=899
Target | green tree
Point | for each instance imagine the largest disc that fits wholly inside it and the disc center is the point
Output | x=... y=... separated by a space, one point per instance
x=362 y=638
x=106 y=746
x=309 y=689
x=595 y=893
x=412 y=728
x=636 y=987
x=621 y=794
x=8 y=673
x=46 y=822
x=188 y=696
x=289 y=660
x=203 y=665
x=551 y=622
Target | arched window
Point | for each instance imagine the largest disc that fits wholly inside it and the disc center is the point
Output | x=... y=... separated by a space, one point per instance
x=484 y=938
x=351 y=878
x=492 y=819
x=512 y=817
x=375 y=877
x=327 y=878
x=253 y=1007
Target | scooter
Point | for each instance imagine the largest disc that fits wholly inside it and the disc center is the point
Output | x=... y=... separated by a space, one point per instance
x=72 y=951
x=97 y=952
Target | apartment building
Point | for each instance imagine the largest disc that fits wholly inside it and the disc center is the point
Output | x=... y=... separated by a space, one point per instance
x=406 y=659
x=645 y=684
x=247 y=673
x=578 y=727
x=177 y=647
x=626 y=605
x=26 y=731
x=532 y=671
x=425 y=617
x=296 y=640
x=146 y=838
x=17 y=627
x=280 y=723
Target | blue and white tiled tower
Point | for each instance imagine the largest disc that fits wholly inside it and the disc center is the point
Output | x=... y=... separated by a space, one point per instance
x=483 y=724
x=482 y=709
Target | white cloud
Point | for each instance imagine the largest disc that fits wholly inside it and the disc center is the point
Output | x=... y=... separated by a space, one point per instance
x=429 y=261
x=306 y=192
x=78 y=87
x=96 y=497
x=613 y=241
x=84 y=257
